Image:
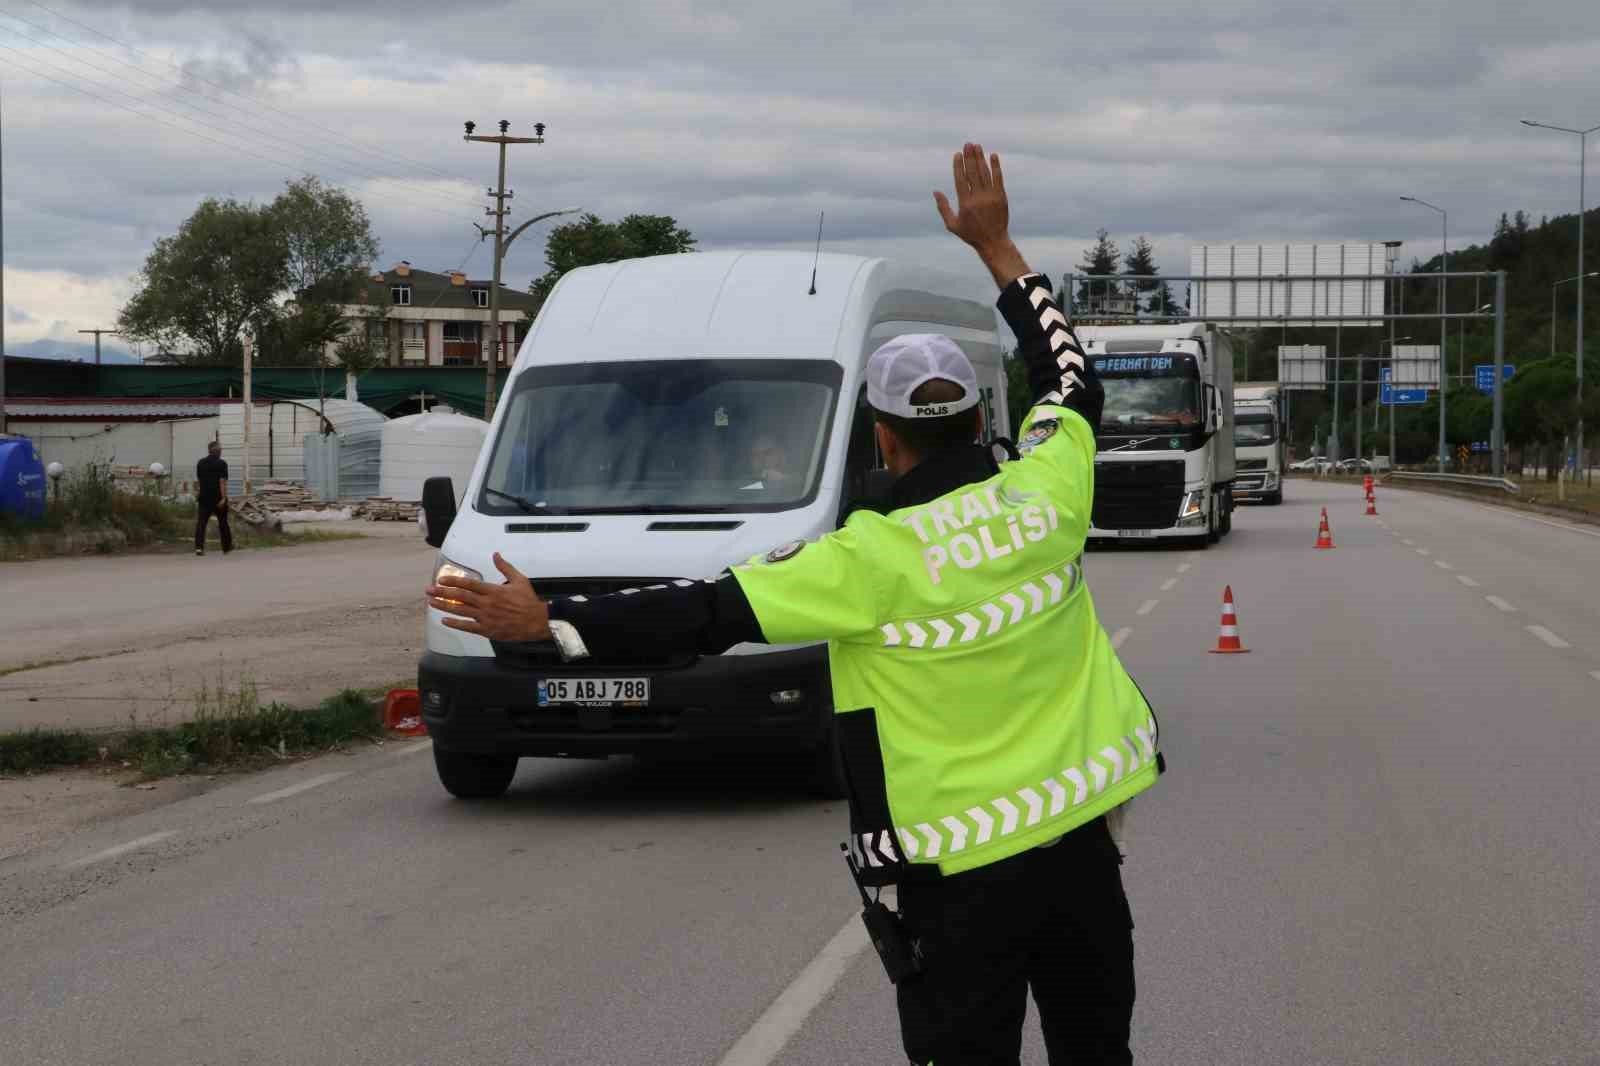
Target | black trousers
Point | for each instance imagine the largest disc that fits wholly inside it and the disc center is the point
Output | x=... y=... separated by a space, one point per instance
x=1052 y=919
x=204 y=511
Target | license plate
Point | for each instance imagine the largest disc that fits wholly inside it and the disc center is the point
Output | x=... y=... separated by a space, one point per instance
x=1136 y=532
x=595 y=691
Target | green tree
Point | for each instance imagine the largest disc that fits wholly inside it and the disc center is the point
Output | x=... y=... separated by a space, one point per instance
x=200 y=288
x=590 y=241
x=328 y=251
x=284 y=271
x=1101 y=258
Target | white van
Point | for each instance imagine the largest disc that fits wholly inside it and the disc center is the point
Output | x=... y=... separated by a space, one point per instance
x=665 y=418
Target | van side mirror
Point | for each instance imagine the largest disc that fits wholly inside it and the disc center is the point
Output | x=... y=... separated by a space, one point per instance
x=438 y=508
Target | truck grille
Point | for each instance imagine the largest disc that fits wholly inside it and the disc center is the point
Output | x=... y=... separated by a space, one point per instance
x=1137 y=495
x=1252 y=464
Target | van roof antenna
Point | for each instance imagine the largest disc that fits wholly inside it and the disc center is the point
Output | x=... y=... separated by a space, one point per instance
x=818 y=255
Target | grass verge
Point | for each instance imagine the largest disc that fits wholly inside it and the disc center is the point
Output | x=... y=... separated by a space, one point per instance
x=87 y=514
x=231 y=730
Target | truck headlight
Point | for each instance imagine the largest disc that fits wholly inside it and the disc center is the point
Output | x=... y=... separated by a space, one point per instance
x=446 y=568
x=1191 y=505
x=1270 y=480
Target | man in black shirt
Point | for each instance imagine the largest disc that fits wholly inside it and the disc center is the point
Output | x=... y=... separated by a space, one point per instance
x=211 y=475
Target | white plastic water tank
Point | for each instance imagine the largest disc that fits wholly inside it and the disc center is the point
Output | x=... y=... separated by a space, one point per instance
x=417 y=447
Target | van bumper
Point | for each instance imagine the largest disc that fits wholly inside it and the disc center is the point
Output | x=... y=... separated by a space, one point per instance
x=716 y=703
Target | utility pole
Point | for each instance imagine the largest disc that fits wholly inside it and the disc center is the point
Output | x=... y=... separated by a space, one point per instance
x=97 y=332
x=499 y=211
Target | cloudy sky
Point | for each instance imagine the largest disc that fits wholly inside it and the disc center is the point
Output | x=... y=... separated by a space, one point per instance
x=1217 y=122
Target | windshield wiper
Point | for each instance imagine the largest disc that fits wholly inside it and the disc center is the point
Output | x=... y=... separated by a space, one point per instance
x=528 y=507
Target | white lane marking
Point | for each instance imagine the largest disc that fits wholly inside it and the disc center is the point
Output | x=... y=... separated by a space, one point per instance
x=1501 y=605
x=1166 y=586
x=1146 y=607
x=1542 y=521
x=1423 y=551
x=765 y=1039
x=1595 y=674
x=1548 y=637
x=294 y=790
x=412 y=749
x=1442 y=565
x=121 y=849
x=1467 y=581
x=1408 y=543
x=1120 y=636
x=1184 y=569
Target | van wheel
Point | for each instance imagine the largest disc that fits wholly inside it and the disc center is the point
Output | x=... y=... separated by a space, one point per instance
x=467 y=775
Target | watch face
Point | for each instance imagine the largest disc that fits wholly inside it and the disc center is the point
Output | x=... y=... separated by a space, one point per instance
x=786 y=551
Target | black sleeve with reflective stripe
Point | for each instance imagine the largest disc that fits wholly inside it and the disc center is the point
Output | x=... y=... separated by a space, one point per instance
x=1058 y=371
x=704 y=617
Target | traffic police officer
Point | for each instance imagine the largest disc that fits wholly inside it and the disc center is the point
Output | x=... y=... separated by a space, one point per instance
x=986 y=723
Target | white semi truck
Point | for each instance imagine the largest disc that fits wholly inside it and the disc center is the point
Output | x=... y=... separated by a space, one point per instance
x=1258 y=441
x=1165 y=466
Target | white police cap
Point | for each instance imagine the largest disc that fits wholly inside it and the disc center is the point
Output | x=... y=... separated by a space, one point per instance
x=905 y=363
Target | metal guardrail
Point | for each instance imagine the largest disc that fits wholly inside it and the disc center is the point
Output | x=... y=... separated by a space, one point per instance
x=1475 y=480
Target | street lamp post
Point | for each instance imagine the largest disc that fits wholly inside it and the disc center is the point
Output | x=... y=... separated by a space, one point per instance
x=1564 y=281
x=1393 y=459
x=1583 y=153
x=1444 y=270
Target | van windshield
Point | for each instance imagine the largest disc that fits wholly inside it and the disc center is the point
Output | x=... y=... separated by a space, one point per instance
x=662 y=436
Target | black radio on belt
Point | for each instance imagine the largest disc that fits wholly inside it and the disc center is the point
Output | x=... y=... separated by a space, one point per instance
x=901 y=955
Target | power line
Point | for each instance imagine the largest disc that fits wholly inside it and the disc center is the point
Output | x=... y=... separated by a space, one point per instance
x=344 y=164
x=233 y=92
x=231 y=146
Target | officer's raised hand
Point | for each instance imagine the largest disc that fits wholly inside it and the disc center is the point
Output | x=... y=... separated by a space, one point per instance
x=982 y=215
x=508 y=612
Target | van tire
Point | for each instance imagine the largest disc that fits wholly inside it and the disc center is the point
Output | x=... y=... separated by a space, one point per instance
x=468 y=775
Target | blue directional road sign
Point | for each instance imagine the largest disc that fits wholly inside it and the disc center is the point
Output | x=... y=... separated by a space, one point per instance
x=1485 y=374
x=1388 y=394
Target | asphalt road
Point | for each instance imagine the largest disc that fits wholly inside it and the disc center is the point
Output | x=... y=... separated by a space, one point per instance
x=106 y=639
x=1375 y=844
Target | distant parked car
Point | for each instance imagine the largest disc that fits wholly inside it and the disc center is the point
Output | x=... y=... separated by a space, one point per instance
x=1350 y=466
x=1312 y=463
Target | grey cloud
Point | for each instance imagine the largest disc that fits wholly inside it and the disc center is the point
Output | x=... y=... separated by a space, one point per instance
x=260 y=61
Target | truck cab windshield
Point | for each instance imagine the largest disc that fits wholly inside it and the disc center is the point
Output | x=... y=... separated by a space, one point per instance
x=1251 y=430
x=1149 y=392
x=662 y=436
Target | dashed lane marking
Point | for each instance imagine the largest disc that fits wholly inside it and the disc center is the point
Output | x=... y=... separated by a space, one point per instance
x=294 y=790
x=1407 y=542
x=1166 y=586
x=1423 y=551
x=1501 y=605
x=1442 y=565
x=1120 y=636
x=1467 y=581
x=120 y=849
x=1146 y=607
x=777 y=1025
x=1548 y=637
x=1595 y=674
x=1184 y=569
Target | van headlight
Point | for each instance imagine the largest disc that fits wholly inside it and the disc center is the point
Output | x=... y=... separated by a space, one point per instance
x=446 y=568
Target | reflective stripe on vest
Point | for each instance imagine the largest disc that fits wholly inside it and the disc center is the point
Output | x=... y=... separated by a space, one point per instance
x=1024 y=601
x=1026 y=807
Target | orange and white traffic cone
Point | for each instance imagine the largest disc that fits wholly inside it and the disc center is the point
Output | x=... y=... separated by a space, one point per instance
x=1228 y=638
x=1366 y=483
x=1372 y=504
x=1324 y=534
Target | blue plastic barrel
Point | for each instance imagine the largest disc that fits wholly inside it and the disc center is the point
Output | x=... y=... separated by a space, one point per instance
x=22 y=480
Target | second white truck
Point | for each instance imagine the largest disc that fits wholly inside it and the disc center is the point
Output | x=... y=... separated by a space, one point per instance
x=1258 y=442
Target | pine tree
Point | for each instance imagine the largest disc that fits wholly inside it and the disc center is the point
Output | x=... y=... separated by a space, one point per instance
x=1102 y=259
